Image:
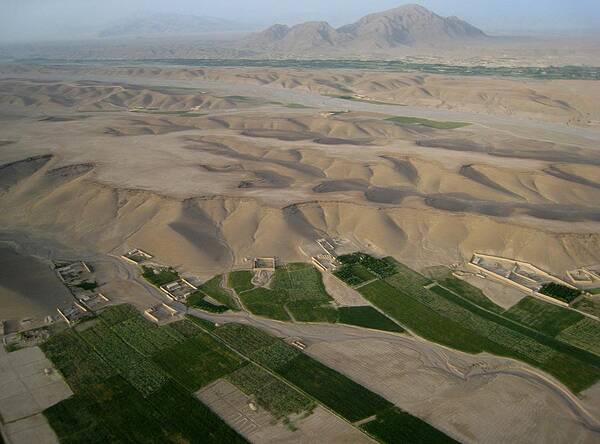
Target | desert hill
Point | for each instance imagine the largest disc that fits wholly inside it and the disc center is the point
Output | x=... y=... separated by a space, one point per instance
x=409 y=25
x=167 y=24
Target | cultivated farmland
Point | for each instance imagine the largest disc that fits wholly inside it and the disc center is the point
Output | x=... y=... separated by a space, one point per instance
x=121 y=395
x=444 y=317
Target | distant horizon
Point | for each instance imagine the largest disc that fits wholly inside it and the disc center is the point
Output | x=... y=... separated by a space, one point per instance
x=35 y=20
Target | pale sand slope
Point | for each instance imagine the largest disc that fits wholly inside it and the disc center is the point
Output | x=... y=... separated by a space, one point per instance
x=553 y=100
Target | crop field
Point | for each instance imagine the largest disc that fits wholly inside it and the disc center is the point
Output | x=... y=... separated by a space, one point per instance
x=121 y=395
x=332 y=389
x=275 y=356
x=297 y=287
x=367 y=317
x=240 y=281
x=435 y=124
x=147 y=338
x=542 y=316
x=278 y=398
x=584 y=334
x=159 y=276
x=560 y=292
x=197 y=361
x=197 y=300
x=336 y=391
x=248 y=339
x=354 y=274
x=76 y=360
x=379 y=267
x=215 y=290
x=394 y=425
x=470 y=292
x=442 y=316
x=141 y=373
x=117 y=314
x=589 y=305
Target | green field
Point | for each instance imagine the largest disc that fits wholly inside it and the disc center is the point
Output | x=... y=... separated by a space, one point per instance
x=197 y=300
x=159 y=276
x=469 y=292
x=426 y=122
x=442 y=316
x=354 y=274
x=240 y=281
x=560 y=292
x=589 y=305
x=584 y=334
x=197 y=361
x=122 y=395
x=394 y=425
x=275 y=396
x=299 y=289
x=367 y=317
x=544 y=317
x=339 y=393
x=214 y=289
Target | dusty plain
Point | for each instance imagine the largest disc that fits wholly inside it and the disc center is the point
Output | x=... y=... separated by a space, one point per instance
x=206 y=167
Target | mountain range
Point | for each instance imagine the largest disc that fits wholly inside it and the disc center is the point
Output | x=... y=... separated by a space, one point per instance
x=409 y=25
x=168 y=24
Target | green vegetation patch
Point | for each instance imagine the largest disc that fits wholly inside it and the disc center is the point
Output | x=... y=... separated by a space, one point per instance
x=214 y=289
x=88 y=286
x=145 y=337
x=560 y=292
x=395 y=425
x=246 y=338
x=297 y=287
x=197 y=300
x=426 y=122
x=120 y=394
x=589 y=305
x=367 y=317
x=272 y=394
x=141 y=373
x=240 y=281
x=470 y=292
x=381 y=268
x=275 y=356
x=354 y=274
x=336 y=391
x=543 y=316
x=197 y=361
x=444 y=317
x=584 y=334
x=76 y=360
x=159 y=276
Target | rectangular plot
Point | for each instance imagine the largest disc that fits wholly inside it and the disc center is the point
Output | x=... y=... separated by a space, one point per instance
x=584 y=334
x=336 y=391
x=197 y=361
x=542 y=316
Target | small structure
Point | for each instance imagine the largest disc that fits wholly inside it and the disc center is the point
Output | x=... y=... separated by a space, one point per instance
x=137 y=256
x=94 y=301
x=73 y=313
x=327 y=246
x=264 y=263
x=71 y=274
x=161 y=313
x=325 y=262
x=178 y=290
x=525 y=276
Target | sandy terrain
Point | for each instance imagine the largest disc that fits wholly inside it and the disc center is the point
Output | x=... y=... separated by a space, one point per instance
x=204 y=168
x=457 y=401
x=28 y=286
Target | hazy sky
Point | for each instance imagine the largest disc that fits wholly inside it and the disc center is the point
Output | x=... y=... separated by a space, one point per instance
x=38 y=19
